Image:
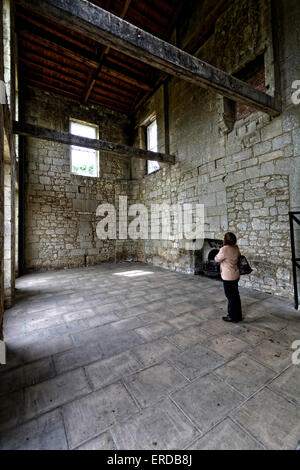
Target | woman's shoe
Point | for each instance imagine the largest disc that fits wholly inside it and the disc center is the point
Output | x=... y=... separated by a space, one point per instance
x=229 y=319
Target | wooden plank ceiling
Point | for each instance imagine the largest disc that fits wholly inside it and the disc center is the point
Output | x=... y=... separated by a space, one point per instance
x=57 y=59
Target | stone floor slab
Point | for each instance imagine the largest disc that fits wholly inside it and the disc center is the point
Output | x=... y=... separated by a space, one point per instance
x=189 y=337
x=207 y=401
x=155 y=331
x=39 y=349
x=197 y=361
x=152 y=384
x=11 y=410
x=102 y=442
x=272 y=420
x=55 y=392
x=226 y=436
x=251 y=334
x=184 y=321
x=245 y=374
x=163 y=426
x=27 y=375
x=77 y=357
x=155 y=351
x=288 y=384
x=218 y=327
x=112 y=327
x=272 y=355
x=226 y=345
x=95 y=413
x=273 y=323
x=102 y=373
x=44 y=433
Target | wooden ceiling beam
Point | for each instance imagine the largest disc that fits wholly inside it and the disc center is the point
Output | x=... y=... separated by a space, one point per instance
x=125 y=65
x=156 y=16
x=49 y=72
x=207 y=28
x=115 y=89
x=191 y=47
x=118 y=107
x=142 y=97
x=42 y=26
x=34 y=50
x=29 y=130
x=35 y=59
x=58 y=48
x=118 y=73
x=56 y=82
x=112 y=96
x=103 y=27
x=54 y=89
x=95 y=73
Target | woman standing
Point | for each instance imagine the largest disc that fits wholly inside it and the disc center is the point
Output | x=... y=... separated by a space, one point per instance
x=228 y=257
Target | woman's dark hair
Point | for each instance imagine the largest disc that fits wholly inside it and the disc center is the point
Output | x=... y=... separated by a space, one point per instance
x=229 y=239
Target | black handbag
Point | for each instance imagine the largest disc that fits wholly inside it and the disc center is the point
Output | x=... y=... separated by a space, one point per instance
x=244 y=266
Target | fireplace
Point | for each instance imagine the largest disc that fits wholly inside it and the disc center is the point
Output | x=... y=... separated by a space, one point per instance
x=205 y=258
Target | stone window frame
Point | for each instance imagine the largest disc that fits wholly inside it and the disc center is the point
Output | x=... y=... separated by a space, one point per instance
x=143 y=137
x=89 y=124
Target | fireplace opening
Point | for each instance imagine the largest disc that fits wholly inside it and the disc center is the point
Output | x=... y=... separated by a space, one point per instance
x=205 y=259
x=212 y=254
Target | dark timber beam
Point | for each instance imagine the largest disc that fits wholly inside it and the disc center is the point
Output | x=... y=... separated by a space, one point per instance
x=120 y=150
x=92 y=80
x=104 y=27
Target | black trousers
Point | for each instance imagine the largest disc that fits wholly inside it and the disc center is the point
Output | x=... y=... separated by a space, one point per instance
x=231 y=289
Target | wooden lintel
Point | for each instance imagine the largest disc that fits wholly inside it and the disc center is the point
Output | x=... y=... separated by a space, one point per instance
x=119 y=150
x=104 y=27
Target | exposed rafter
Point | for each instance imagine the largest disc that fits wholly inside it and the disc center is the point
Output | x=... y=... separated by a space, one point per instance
x=119 y=150
x=95 y=73
x=104 y=27
x=197 y=40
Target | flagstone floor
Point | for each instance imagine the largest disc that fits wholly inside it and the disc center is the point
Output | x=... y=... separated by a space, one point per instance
x=134 y=357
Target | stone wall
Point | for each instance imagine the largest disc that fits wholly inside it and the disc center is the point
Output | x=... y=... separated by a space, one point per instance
x=1 y=201
x=7 y=158
x=245 y=172
x=61 y=207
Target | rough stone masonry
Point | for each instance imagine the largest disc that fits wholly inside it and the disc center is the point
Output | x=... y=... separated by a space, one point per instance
x=242 y=165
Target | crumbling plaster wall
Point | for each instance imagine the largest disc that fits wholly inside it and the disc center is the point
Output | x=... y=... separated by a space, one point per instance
x=248 y=176
x=60 y=216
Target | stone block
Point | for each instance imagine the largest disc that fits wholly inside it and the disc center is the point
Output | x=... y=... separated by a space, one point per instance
x=288 y=384
x=96 y=412
x=163 y=426
x=207 y=401
x=44 y=433
x=245 y=375
x=271 y=419
x=105 y=372
x=155 y=351
x=197 y=361
x=151 y=385
x=54 y=392
x=226 y=436
x=271 y=130
x=226 y=345
x=102 y=442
